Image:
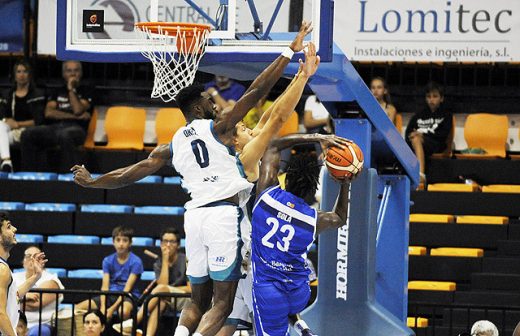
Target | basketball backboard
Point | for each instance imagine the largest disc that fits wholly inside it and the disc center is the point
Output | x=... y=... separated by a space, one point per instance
x=242 y=31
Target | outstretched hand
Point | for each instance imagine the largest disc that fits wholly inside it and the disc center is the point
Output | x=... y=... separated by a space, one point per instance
x=312 y=61
x=81 y=175
x=297 y=43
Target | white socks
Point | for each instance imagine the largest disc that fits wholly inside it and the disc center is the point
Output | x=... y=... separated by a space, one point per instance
x=181 y=331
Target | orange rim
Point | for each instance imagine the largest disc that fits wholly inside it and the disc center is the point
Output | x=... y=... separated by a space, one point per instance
x=173 y=27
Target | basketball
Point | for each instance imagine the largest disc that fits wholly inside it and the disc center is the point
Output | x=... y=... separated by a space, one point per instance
x=344 y=162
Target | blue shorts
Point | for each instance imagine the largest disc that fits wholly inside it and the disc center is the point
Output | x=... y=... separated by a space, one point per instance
x=273 y=302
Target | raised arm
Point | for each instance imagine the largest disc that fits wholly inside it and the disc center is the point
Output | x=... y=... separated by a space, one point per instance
x=122 y=177
x=337 y=217
x=228 y=118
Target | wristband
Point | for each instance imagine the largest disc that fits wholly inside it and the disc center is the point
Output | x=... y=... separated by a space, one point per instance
x=300 y=326
x=288 y=52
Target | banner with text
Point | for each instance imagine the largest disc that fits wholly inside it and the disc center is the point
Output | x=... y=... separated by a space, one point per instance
x=11 y=26
x=428 y=30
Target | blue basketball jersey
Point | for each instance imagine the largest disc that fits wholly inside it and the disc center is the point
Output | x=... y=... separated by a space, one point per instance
x=284 y=228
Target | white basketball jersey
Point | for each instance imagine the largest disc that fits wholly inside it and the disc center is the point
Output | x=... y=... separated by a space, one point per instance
x=209 y=169
x=12 y=300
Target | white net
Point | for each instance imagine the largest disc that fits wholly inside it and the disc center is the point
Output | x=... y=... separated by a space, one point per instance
x=174 y=68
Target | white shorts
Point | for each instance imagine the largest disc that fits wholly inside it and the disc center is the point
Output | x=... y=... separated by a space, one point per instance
x=243 y=305
x=213 y=243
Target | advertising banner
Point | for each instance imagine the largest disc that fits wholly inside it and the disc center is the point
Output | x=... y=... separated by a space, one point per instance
x=429 y=30
x=11 y=26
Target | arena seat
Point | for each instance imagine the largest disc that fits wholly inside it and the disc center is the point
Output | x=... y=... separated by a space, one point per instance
x=431 y=218
x=29 y=238
x=106 y=208
x=124 y=127
x=89 y=140
x=55 y=207
x=73 y=239
x=10 y=206
x=457 y=252
x=432 y=285
x=86 y=274
x=183 y=242
x=3 y=175
x=448 y=152
x=172 y=180
x=416 y=322
x=453 y=187
x=148 y=275
x=151 y=179
x=33 y=176
x=167 y=122
x=159 y=210
x=417 y=250
x=291 y=126
x=70 y=177
x=136 y=241
x=60 y=272
x=493 y=141
x=497 y=220
x=502 y=188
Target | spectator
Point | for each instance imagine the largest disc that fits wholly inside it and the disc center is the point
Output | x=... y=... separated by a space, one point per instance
x=32 y=302
x=21 y=108
x=170 y=273
x=380 y=91
x=224 y=91
x=67 y=115
x=253 y=116
x=484 y=328
x=94 y=323
x=121 y=270
x=21 y=327
x=316 y=118
x=429 y=129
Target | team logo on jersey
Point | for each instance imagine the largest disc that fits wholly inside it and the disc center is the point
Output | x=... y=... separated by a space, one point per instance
x=290 y=205
x=220 y=260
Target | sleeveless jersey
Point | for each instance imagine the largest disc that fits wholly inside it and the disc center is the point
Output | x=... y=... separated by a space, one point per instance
x=209 y=169
x=284 y=227
x=12 y=299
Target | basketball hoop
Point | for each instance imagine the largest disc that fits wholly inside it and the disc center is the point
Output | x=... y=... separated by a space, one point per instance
x=175 y=50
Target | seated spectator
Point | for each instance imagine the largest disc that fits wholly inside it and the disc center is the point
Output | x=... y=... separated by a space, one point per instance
x=94 y=323
x=31 y=305
x=429 y=129
x=170 y=274
x=21 y=108
x=224 y=91
x=121 y=270
x=67 y=116
x=21 y=327
x=484 y=328
x=379 y=89
x=253 y=115
x=316 y=118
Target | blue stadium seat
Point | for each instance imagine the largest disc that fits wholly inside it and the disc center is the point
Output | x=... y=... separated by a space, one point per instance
x=70 y=177
x=172 y=180
x=159 y=210
x=33 y=176
x=110 y=208
x=18 y=270
x=86 y=274
x=142 y=241
x=151 y=179
x=3 y=175
x=56 y=207
x=10 y=206
x=107 y=241
x=68 y=306
x=29 y=238
x=183 y=242
x=148 y=275
x=60 y=272
x=73 y=239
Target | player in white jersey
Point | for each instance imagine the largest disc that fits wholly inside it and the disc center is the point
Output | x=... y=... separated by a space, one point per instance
x=9 y=293
x=211 y=301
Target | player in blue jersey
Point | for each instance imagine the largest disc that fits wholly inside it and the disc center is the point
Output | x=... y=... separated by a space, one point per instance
x=284 y=228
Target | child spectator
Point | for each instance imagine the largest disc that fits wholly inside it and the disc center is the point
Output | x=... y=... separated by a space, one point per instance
x=379 y=89
x=429 y=129
x=121 y=270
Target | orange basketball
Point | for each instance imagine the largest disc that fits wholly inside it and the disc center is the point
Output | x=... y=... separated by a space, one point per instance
x=344 y=162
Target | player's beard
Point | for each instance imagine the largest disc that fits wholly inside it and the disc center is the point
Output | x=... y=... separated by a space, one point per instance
x=7 y=243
